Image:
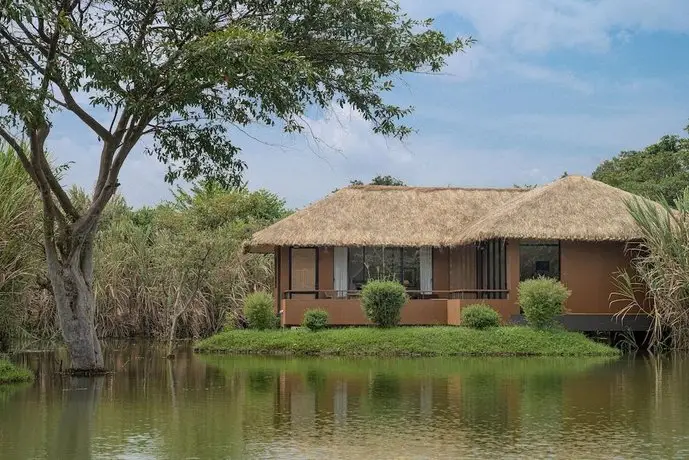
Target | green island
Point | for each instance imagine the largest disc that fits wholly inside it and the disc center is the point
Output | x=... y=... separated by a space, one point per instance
x=407 y=341
x=9 y=373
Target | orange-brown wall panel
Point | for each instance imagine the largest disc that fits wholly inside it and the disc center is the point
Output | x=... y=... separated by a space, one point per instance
x=587 y=269
x=348 y=312
x=326 y=262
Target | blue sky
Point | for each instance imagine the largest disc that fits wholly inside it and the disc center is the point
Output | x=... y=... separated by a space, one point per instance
x=550 y=86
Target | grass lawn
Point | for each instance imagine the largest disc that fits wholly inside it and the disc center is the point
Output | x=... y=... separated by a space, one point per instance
x=407 y=341
x=9 y=373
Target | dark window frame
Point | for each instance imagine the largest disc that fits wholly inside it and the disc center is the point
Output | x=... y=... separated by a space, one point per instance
x=399 y=249
x=548 y=243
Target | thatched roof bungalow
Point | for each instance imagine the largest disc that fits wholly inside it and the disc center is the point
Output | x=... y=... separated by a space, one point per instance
x=452 y=246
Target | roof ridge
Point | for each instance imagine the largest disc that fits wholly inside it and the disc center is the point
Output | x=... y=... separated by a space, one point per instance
x=401 y=188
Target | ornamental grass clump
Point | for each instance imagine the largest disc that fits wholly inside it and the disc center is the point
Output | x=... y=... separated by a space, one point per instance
x=315 y=320
x=258 y=310
x=382 y=302
x=542 y=300
x=480 y=317
x=657 y=283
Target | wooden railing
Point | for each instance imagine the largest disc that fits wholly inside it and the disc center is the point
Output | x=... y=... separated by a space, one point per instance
x=413 y=294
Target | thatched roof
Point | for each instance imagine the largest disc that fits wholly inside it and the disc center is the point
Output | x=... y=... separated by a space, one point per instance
x=375 y=215
x=571 y=208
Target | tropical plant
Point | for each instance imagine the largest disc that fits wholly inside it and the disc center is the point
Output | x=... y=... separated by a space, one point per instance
x=259 y=310
x=480 y=317
x=382 y=302
x=542 y=300
x=658 y=282
x=184 y=73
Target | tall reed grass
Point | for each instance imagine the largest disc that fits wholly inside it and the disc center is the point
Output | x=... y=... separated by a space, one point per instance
x=658 y=283
x=173 y=270
x=20 y=244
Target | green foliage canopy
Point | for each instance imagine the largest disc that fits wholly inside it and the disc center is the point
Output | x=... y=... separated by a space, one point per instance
x=187 y=72
x=659 y=171
x=380 y=180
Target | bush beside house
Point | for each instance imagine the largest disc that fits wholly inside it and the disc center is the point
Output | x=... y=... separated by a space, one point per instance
x=480 y=317
x=258 y=310
x=382 y=302
x=315 y=320
x=542 y=300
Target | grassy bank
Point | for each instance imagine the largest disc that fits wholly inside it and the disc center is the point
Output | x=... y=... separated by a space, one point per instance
x=9 y=373
x=406 y=341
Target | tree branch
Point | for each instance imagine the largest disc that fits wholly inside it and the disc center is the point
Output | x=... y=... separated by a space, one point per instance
x=57 y=189
x=19 y=150
x=75 y=108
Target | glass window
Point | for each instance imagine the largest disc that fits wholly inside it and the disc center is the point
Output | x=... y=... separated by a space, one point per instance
x=411 y=269
x=383 y=263
x=355 y=269
x=392 y=264
x=539 y=259
x=397 y=264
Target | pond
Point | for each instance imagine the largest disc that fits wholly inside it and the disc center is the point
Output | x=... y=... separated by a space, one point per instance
x=275 y=407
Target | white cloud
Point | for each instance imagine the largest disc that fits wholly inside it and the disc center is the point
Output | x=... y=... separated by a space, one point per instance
x=141 y=177
x=543 y=25
x=480 y=62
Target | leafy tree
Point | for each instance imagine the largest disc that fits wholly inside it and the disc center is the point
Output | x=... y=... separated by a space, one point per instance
x=386 y=180
x=380 y=180
x=184 y=72
x=661 y=170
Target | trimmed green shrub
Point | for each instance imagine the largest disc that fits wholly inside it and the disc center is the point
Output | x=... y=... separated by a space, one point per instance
x=315 y=320
x=259 y=311
x=480 y=317
x=382 y=302
x=541 y=300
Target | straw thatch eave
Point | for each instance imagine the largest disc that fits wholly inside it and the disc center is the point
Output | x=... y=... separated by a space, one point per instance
x=573 y=208
x=382 y=216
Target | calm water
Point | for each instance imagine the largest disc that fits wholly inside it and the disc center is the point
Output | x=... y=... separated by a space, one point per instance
x=246 y=407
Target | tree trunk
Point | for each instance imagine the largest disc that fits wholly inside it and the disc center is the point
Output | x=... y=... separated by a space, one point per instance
x=72 y=282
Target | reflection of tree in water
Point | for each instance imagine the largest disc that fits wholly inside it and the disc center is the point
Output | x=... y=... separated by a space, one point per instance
x=484 y=402
x=316 y=378
x=262 y=380
x=541 y=405
x=385 y=389
x=72 y=436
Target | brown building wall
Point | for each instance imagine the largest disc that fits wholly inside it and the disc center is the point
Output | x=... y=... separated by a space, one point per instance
x=326 y=265
x=441 y=270
x=462 y=267
x=454 y=312
x=282 y=273
x=587 y=270
x=346 y=312
x=513 y=271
